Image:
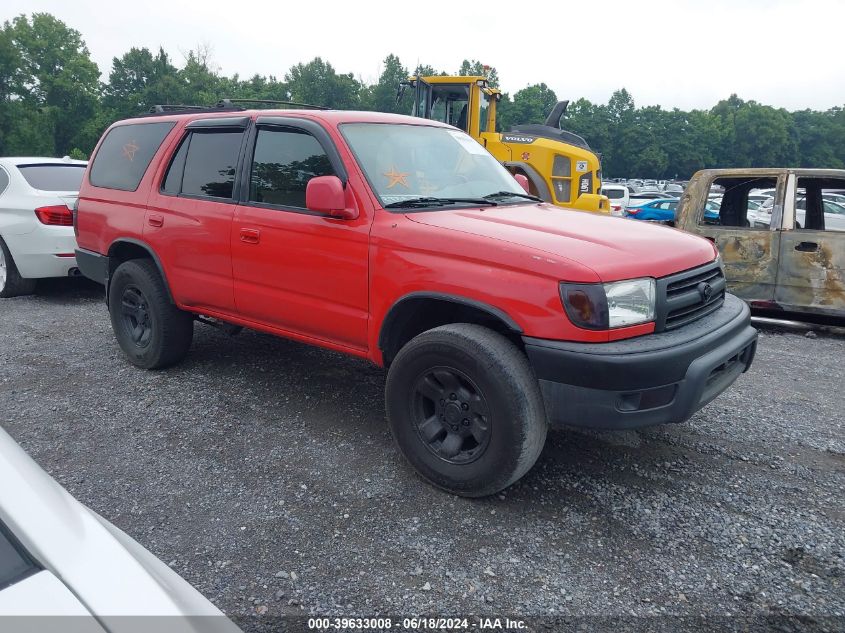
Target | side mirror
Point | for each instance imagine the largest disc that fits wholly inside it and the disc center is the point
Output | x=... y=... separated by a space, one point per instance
x=325 y=194
x=522 y=179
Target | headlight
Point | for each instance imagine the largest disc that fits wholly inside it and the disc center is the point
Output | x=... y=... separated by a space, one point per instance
x=630 y=302
x=604 y=306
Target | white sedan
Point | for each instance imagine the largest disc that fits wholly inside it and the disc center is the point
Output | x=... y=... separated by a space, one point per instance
x=58 y=558
x=36 y=221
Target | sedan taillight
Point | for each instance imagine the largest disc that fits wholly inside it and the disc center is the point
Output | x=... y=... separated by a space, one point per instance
x=57 y=215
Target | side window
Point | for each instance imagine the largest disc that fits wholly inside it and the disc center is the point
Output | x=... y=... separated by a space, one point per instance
x=739 y=206
x=125 y=154
x=820 y=204
x=211 y=159
x=4 y=180
x=173 y=180
x=285 y=159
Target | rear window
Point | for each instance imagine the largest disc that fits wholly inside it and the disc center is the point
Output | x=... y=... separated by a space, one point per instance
x=125 y=154
x=53 y=177
x=15 y=564
x=614 y=194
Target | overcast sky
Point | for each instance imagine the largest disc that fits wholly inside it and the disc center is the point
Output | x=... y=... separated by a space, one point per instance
x=678 y=53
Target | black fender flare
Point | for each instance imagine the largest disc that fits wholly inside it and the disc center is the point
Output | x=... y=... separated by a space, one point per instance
x=153 y=256
x=533 y=176
x=394 y=310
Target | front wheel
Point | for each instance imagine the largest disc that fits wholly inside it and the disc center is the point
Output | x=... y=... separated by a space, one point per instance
x=465 y=409
x=151 y=331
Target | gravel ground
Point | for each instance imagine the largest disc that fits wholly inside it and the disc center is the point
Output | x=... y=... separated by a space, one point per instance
x=263 y=472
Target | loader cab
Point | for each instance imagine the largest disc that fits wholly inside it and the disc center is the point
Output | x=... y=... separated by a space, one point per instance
x=560 y=167
x=465 y=102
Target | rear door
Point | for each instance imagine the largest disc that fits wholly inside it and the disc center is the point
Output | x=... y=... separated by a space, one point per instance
x=812 y=249
x=190 y=213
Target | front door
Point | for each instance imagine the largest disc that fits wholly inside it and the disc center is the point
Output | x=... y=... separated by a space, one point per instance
x=296 y=270
x=748 y=240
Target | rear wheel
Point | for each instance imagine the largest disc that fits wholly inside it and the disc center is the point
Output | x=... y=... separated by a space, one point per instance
x=465 y=409
x=11 y=283
x=150 y=329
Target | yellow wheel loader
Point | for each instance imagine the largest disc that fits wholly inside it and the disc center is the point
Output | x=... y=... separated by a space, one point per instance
x=560 y=166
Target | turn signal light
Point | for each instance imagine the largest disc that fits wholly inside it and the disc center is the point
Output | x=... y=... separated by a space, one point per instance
x=57 y=215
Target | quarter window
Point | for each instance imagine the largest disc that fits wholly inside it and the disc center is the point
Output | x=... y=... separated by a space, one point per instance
x=285 y=159
x=125 y=154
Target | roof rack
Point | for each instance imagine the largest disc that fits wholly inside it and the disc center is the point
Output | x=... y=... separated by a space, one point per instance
x=224 y=105
x=229 y=103
x=165 y=109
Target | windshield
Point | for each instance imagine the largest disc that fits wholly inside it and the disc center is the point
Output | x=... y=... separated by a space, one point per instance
x=407 y=162
x=613 y=194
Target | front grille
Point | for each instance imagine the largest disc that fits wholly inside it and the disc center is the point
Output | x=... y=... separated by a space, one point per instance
x=688 y=296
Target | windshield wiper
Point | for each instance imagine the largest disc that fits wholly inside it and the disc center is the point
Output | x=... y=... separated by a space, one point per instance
x=512 y=194
x=427 y=201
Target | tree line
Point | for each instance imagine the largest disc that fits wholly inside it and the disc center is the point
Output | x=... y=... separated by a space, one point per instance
x=53 y=102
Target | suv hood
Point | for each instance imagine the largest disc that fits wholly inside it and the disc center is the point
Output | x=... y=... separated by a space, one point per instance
x=615 y=248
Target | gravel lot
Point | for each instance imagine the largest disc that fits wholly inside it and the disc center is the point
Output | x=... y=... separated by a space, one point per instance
x=263 y=472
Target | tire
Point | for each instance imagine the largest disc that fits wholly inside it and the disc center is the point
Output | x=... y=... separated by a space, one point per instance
x=152 y=332
x=465 y=409
x=11 y=282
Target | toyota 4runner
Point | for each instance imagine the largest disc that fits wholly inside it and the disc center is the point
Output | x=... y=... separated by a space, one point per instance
x=404 y=242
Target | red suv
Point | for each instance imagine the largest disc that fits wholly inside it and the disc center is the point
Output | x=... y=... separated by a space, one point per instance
x=402 y=241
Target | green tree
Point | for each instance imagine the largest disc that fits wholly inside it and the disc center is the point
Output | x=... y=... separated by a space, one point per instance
x=475 y=68
x=55 y=82
x=316 y=82
x=382 y=96
x=530 y=105
x=138 y=80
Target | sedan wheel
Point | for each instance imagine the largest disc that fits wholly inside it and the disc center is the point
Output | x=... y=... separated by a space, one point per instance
x=11 y=283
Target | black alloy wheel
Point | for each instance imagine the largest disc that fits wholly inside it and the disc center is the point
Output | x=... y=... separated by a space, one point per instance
x=451 y=415
x=135 y=316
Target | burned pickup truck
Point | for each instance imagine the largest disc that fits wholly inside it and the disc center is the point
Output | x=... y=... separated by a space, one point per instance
x=781 y=233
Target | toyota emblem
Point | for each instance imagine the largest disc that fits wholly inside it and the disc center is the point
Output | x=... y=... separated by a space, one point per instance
x=705 y=290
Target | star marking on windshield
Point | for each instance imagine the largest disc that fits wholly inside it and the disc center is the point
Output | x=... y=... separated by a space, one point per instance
x=396 y=178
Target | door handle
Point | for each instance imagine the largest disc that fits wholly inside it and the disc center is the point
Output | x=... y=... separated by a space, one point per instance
x=155 y=220
x=807 y=247
x=250 y=236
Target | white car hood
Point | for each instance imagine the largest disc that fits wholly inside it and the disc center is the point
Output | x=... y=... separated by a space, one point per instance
x=109 y=573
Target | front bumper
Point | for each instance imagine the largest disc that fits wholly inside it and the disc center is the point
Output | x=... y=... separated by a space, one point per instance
x=653 y=379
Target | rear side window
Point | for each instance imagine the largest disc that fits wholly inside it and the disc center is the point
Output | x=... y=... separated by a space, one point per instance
x=210 y=161
x=4 y=180
x=285 y=160
x=15 y=564
x=125 y=154
x=53 y=177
